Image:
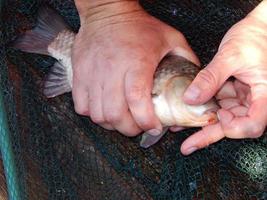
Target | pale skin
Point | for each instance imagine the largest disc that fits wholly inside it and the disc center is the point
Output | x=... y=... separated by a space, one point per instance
x=118 y=48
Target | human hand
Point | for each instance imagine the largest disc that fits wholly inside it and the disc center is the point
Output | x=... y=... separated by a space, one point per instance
x=242 y=54
x=115 y=54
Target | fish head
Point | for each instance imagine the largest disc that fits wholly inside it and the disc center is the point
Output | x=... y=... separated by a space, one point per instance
x=185 y=114
x=173 y=111
x=172 y=77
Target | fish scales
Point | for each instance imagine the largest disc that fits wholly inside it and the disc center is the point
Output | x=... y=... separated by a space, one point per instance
x=168 y=68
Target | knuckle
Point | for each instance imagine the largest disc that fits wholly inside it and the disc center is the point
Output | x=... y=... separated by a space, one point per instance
x=145 y=123
x=81 y=71
x=138 y=85
x=207 y=141
x=131 y=133
x=208 y=76
x=180 y=36
x=256 y=131
x=232 y=131
x=113 y=116
x=107 y=127
x=135 y=93
x=82 y=110
x=97 y=118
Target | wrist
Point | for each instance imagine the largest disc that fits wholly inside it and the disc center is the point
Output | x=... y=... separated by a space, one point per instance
x=104 y=9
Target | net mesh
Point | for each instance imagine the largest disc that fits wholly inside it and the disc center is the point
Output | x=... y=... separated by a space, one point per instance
x=3 y=188
x=60 y=155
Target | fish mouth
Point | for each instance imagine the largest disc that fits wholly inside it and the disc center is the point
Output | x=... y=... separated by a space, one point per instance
x=205 y=120
x=209 y=117
x=213 y=118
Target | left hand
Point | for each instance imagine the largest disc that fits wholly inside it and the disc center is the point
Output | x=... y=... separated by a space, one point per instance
x=243 y=55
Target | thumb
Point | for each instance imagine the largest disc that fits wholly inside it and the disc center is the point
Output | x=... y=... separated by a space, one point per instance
x=208 y=81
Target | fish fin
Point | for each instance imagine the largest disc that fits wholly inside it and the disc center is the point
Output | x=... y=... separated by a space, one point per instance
x=176 y=128
x=149 y=140
x=56 y=82
x=49 y=25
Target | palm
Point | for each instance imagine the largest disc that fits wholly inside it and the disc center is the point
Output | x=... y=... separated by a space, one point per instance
x=235 y=97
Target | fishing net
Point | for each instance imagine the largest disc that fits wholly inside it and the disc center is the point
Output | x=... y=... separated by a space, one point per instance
x=49 y=152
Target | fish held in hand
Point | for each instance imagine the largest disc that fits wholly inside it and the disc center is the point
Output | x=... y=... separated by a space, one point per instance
x=173 y=75
x=52 y=36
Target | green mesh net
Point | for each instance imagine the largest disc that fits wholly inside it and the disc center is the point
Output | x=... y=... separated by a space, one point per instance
x=49 y=152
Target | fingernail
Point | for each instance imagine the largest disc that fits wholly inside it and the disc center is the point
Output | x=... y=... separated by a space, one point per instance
x=192 y=93
x=154 y=132
x=190 y=150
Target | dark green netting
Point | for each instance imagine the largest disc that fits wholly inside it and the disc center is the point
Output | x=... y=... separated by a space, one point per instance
x=59 y=155
x=3 y=187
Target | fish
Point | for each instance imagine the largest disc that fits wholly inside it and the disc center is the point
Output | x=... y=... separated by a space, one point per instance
x=172 y=77
x=53 y=37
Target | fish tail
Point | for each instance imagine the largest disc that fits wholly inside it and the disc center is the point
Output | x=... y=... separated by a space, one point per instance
x=49 y=25
x=56 y=82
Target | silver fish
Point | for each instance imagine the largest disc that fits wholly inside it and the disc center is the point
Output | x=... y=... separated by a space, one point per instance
x=173 y=75
x=52 y=36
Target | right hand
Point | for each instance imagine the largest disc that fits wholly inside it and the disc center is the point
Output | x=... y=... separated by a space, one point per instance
x=242 y=54
x=115 y=55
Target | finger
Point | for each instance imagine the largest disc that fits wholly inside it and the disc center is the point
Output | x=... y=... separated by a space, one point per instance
x=250 y=126
x=186 y=52
x=95 y=103
x=230 y=126
x=227 y=91
x=179 y=46
x=107 y=126
x=115 y=108
x=229 y=103
x=138 y=87
x=80 y=99
x=203 y=138
x=239 y=111
x=208 y=81
x=80 y=92
x=242 y=90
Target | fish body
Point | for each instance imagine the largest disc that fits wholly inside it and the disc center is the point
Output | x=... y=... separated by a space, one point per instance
x=52 y=36
x=173 y=75
x=60 y=49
